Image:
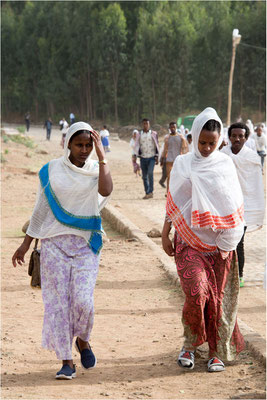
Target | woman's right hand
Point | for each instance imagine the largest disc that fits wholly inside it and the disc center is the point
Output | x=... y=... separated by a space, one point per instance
x=167 y=246
x=19 y=254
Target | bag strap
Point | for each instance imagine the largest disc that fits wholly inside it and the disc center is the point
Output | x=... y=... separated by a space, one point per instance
x=36 y=244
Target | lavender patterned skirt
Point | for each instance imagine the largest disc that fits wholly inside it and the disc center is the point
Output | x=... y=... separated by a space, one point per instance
x=68 y=274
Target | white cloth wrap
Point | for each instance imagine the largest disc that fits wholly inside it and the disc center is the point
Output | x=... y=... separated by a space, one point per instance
x=248 y=166
x=75 y=188
x=207 y=185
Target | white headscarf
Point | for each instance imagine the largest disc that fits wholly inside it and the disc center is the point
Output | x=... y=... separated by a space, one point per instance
x=88 y=168
x=76 y=190
x=250 y=126
x=199 y=122
x=205 y=197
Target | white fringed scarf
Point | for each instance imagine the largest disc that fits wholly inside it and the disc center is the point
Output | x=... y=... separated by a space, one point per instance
x=68 y=201
x=205 y=201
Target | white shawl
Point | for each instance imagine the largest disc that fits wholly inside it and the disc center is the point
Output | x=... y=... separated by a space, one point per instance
x=249 y=173
x=205 y=200
x=76 y=190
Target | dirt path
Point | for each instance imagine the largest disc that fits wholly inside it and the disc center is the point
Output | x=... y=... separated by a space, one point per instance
x=137 y=332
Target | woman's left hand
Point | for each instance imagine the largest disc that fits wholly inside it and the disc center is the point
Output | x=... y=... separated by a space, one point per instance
x=98 y=145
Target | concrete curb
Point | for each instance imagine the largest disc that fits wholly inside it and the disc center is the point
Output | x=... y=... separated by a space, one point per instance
x=122 y=224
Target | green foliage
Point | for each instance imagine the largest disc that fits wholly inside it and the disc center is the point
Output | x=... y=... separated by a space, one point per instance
x=2 y=158
x=5 y=138
x=21 y=129
x=26 y=141
x=119 y=61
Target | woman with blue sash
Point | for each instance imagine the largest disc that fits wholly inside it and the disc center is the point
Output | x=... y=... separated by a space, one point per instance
x=66 y=218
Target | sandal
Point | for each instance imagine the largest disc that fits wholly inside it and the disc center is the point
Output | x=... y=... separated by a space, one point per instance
x=186 y=359
x=88 y=359
x=215 y=365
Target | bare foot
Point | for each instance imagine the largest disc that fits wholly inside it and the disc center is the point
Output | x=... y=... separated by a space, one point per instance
x=68 y=362
x=83 y=345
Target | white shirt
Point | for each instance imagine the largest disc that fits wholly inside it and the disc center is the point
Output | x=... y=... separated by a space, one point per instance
x=251 y=143
x=104 y=133
x=132 y=144
x=190 y=147
x=65 y=126
x=147 y=145
x=260 y=143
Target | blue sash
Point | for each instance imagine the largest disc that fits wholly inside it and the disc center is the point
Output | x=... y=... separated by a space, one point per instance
x=92 y=223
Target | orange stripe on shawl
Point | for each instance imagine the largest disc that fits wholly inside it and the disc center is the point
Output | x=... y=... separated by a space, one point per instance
x=183 y=229
x=207 y=219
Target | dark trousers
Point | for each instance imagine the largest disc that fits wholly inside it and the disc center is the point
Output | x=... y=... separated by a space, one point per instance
x=164 y=172
x=27 y=124
x=241 y=254
x=48 y=133
x=262 y=155
x=147 y=167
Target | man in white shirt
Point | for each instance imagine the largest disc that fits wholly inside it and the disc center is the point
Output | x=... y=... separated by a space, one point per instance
x=248 y=168
x=72 y=118
x=104 y=134
x=147 y=148
x=260 y=140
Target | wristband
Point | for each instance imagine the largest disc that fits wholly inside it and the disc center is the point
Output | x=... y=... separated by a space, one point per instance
x=103 y=162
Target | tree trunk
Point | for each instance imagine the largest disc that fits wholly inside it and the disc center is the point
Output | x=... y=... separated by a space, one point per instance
x=89 y=96
x=154 y=99
x=94 y=98
x=101 y=100
x=81 y=99
x=241 y=92
x=36 y=110
x=260 y=103
x=115 y=85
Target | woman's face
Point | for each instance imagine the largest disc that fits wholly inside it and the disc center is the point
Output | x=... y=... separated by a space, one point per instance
x=207 y=142
x=80 y=148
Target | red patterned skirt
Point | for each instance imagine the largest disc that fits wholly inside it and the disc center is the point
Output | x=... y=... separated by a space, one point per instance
x=211 y=287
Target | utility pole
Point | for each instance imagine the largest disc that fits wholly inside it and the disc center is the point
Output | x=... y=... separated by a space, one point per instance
x=236 y=40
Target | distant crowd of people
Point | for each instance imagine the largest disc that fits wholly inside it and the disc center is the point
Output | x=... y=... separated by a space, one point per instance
x=64 y=125
x=145 y=147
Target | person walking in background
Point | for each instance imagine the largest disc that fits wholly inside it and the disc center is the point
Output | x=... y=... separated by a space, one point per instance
x=147 y=147
x=250 y=142
x=189 y=142
x=65 y=127
x=136 y=166
x=174 y=145
x=162 y=162
x=207 y=231
x=263 y=127
x=248 y=167
x=73 y=189
x=27 y=120
x=260 y=140
x=104 y=133
x=72 y=118
x=48 y=125
x=61 y=124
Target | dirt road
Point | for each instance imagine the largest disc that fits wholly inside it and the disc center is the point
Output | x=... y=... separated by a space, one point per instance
x=137 y=332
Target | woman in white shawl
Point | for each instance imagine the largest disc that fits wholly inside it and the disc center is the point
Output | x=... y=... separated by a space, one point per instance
x=67 y=219
x=205 y=205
